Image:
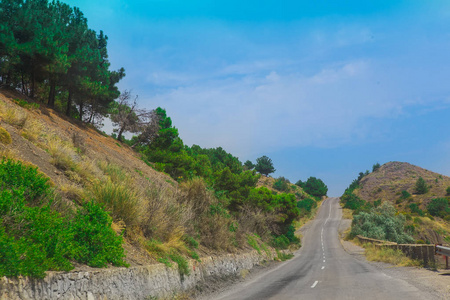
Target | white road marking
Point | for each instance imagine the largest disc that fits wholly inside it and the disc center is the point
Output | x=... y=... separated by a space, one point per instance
x=314 y=284
x=323 y=267
x=324 y=260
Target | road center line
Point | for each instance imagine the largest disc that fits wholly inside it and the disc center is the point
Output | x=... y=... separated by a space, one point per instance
x=314 y=284
x=324 y=260
x=323 y=267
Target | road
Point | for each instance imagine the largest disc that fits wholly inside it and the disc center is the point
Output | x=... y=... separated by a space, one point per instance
x=322 y=269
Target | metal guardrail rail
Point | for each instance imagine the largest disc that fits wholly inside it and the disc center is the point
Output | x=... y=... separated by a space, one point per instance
x=445 y=251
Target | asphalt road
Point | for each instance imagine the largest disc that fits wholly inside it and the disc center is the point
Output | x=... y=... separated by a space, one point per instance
x=322 y=269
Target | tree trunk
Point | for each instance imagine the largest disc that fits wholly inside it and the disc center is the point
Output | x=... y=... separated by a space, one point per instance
x=51 y=94
x=81 y=111
x=33 y=84
x=69 y=103
x=119 y=136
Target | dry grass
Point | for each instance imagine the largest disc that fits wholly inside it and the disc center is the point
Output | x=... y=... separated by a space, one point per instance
x=33 y=130
x=5 y=137
x=347 y=213
x=392 y=256
x=62 y=153
x=15 y=116
x=73 y=192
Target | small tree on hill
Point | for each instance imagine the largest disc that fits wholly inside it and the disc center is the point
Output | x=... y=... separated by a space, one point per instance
x=264 y=165
x=249 y=165
x=375 y=167
x=421 y=186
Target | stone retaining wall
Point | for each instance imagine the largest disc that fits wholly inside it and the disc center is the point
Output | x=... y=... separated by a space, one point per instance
x=421 y=252
x=127 y=283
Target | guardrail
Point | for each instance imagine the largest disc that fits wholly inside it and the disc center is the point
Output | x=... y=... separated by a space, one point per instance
x=445 y=251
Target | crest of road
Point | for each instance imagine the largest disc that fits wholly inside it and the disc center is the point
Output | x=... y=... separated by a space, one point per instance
x=321 y=269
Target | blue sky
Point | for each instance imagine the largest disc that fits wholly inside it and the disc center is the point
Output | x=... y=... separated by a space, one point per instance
x=324 y=88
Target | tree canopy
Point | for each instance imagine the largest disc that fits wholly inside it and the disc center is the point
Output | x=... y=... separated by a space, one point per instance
x=48 y=53
x=264 y=165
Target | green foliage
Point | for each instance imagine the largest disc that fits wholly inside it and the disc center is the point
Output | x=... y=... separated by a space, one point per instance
x=306 y=205
x=249 y=165
x=405 y=195
x=439 y=207
x=264 y=165
x=414 y=207
x=183 y=266
x=351 y=201
x=35 y=238
x=252 y=241
x=375 y=167
x=280 y=242
x=281 y=184
x=315 y=187
x=448 y=191
x=421 y=186
x=381 y=223
x=95 y=242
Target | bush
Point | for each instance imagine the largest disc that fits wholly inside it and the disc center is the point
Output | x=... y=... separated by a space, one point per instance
x=448 y=191
x=315 y=187
x=421 y=186
x=306 y=205
x=375 y=167
x=414 y=207
x=35 y=238
x=405 y=195
x=439 y=207
x=381 y=223
x=5 y=137
x=281 y=184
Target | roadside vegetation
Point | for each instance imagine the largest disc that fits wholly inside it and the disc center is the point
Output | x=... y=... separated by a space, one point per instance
x=207 y=201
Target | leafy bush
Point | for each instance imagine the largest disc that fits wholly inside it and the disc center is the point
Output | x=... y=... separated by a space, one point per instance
x=448 y=191
x=281 y=184
x=421 y=186
x=306 y=205
x=35 y=238
x=439 y=207
x=280 y=242
x=414 y=207
x=315 y=187
x=381 y=223
x=405 y=195
x=351 y=201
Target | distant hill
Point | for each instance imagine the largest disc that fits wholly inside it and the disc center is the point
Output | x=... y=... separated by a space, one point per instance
x=388 y=182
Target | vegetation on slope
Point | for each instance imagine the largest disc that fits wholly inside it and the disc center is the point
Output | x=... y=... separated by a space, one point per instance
x=418 y=195
x=211 y=201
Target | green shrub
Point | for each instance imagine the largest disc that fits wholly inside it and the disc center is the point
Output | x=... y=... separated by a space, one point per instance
x=375 y=167
x=35 y=238
x=306 y=205
x=414 y=207
x=95 y=242
x=315 y=187
x=439 y=207
x=280 y=242
x=421 y=186
x=405 y=195
x=183 y=266
x=381 y=223
x=251 y=239
x=281 y=184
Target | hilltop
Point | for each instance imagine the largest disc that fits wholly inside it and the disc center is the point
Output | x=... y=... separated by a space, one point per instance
x=388 y=182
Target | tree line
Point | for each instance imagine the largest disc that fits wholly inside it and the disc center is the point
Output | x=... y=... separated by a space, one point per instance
x=48 y=52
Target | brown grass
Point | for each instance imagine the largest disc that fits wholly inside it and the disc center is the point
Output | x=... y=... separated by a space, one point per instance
x=5 y=137
x=392 y=256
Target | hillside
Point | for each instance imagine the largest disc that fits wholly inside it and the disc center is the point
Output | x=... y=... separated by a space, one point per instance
x=395 y=183
x=159 y=218
x=388 y=182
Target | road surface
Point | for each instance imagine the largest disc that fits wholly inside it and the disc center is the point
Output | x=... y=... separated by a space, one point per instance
x=322 y=269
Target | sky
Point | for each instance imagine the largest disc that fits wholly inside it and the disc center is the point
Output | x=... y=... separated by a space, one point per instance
x=324 y=88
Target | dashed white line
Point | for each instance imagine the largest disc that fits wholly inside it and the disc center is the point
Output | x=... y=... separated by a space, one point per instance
x=314 y=284
x=323 y=267
x=324 y=260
